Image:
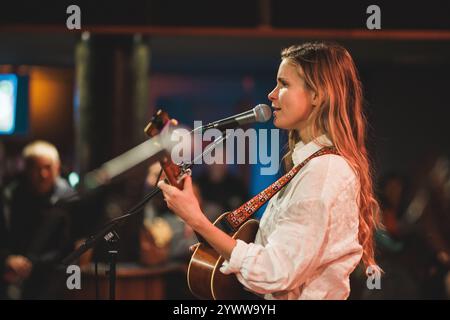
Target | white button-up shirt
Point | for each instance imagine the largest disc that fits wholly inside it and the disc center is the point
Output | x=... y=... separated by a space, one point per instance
x=307 y=243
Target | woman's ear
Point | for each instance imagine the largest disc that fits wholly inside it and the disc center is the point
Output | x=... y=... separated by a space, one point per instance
x=315 y=101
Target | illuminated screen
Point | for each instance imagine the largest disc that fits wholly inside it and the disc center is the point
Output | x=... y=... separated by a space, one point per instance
x=13 y=104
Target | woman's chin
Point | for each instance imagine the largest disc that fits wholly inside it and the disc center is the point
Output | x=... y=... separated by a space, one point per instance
x=277 y=122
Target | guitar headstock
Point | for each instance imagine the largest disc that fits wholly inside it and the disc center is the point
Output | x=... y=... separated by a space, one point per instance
x=157 y=123
x=156 y=126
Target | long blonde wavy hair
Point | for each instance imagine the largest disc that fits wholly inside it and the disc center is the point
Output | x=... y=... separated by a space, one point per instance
x=329 y=72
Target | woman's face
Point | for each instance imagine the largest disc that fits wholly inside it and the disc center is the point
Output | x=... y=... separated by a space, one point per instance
x=291 y=100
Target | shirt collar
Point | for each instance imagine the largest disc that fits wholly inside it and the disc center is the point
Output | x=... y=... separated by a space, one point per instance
x=303 y=151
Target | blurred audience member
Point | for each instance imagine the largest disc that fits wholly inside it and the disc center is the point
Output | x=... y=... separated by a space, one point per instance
x=430 y=212
x=392 y=202
x=36 y=226
x=221 y=190
x=3 y=251
x=413 y=250
x=397 y=281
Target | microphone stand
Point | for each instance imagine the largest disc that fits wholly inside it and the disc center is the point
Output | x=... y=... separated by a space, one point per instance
x=109 y=234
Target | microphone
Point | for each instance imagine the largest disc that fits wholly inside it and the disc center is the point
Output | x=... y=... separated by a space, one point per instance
x=260 y=113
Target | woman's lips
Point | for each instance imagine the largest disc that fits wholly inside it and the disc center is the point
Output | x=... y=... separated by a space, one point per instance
x=275 y=110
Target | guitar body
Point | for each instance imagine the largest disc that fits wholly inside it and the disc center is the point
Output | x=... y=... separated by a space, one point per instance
x=204 y=277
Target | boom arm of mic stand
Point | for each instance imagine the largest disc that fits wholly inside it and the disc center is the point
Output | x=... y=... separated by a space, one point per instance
x=111 y=225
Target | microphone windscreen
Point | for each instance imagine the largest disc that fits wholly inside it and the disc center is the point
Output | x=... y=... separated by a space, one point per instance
x=263 y=113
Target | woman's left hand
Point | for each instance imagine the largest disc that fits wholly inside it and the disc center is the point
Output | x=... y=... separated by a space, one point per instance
x=183 y=203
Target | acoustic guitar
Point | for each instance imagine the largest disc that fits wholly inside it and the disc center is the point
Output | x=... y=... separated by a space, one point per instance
x=204 y=277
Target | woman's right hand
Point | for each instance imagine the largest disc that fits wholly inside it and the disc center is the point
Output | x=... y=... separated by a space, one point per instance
x=183 y=203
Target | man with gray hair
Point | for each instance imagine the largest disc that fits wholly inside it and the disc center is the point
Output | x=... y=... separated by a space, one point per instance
x=36 y=223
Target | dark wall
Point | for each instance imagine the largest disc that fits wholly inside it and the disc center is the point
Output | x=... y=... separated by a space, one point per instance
x=409 y=114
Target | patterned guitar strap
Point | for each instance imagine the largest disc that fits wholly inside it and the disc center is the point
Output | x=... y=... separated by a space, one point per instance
x=237 y=217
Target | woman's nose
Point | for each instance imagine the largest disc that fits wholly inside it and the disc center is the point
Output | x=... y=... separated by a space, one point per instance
x=272 y=95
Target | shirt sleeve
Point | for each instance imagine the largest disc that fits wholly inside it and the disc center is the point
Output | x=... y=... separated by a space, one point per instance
x=291 y=254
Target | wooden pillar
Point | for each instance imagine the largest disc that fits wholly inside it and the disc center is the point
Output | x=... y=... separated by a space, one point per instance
x=112 y=84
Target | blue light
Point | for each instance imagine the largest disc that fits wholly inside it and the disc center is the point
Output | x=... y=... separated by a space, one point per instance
x=8 y=99
x=74 y=179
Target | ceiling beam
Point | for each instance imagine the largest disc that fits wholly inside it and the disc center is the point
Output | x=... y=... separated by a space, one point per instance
x=260 y=32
